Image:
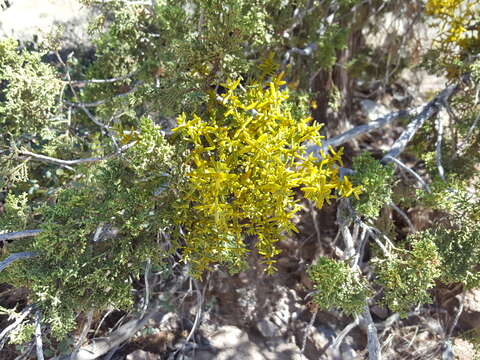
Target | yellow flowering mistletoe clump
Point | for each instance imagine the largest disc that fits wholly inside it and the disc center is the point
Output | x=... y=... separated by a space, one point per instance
x=246 y=161
x=458 y=23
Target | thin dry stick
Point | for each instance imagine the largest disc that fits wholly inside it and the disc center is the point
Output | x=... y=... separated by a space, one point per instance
x=428 y=112
x=83 y=105
x=346 y=330
x=307 y=332
x=405 y=167
x=373 y=344
x=16 y=256
x=198 y=316
x=403 y=215
x=38 y=336
x=52 y=160
x=26 y=353
x=83 y=335
x=469 y=134
x=361 y=129
x=85 y=110
x=457 y=316
x=102 y=81
x=448 y=353
x=314 y=214
x=74 y=92
x=101 y=346
x=19 y=234
x=148 y=266
x=101 y=321
x=438 y=148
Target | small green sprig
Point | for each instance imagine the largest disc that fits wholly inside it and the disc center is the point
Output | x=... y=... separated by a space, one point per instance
x=407 y=275
x=337 y=286
x=376 y=182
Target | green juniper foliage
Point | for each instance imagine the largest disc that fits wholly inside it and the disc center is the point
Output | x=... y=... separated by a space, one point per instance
x=407 y=275
x=31 y=91
x=337 y=286
x=376 y=182
x=99 y=231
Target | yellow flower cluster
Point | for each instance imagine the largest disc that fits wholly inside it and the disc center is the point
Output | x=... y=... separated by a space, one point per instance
x=247 y=160
x=458 y=23
x=442 y=7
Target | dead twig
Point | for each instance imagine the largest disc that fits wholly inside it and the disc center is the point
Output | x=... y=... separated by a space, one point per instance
x=405 y=167
x=101 y=346
x=457 y=316
x=427 y=113
x=314 y=214
x=307 y=331
x=81 y=106
x=83 y=335
x=14 y=257
x=403 y=215
x=373 y=344
x=438 y=147
x=53 y=160
x=346 y=330
x=38 y=336
x=19 y=234
x=198 y=315
x=84 y=105
x=148 y=266
x=464 y=143
x=360 y=130
x=101 y=81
